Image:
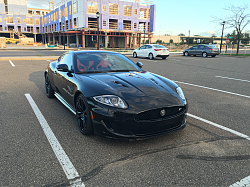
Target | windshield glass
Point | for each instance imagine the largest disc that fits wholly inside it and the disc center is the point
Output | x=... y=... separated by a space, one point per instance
x=103 y=62
x=159 y=46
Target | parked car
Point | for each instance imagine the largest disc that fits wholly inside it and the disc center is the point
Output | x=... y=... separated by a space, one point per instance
x=204 y=50
x=113 y=97
x=150 y=51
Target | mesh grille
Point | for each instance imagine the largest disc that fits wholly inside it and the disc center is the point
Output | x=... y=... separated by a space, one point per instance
x=156 y=113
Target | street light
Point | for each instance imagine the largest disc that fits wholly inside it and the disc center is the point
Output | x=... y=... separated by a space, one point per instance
x=63 y=38
x=97 y=15
x=223 y=23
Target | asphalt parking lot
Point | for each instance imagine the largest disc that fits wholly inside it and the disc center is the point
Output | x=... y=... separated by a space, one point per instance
x=213 y=150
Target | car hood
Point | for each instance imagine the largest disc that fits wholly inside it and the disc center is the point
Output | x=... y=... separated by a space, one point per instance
x=133 y=86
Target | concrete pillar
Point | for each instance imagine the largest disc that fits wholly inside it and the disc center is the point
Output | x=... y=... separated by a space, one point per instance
x=77 y=40
x=60 y=40
x=35 y=38
x=134 y=41
x=126 y=40
x=106 y=41
x=83 y=41
x=53 y=39
x=68 y=40
x=49 y=39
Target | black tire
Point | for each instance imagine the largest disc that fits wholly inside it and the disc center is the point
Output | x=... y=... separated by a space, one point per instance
x=48 y=88
x=194 y=55
x=150 y=56
x=83 y=116
x=204 y=54
x=134 y=55
x=163 y=58
x=186 y=54
x=213 y=55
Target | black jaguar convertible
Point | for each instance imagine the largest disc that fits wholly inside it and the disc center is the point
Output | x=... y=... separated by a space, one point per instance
x=113 y=97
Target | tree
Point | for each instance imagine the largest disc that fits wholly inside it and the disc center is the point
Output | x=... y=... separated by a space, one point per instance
x=245 y=39
x=181 y=34
x=171 y=41
x=159 y=41
x=238 y=19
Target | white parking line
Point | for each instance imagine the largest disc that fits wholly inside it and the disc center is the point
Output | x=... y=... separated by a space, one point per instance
x=213 y=89
x=246 y=181
x=233 y=79
x=12 y=63
x=62 y=157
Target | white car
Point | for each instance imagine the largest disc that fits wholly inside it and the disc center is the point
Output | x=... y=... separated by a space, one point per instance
x=150 y=51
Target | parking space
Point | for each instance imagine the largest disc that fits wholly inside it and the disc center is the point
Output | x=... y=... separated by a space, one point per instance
x=205 y=153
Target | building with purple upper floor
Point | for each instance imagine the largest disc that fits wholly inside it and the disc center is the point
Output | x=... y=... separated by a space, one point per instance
x=122 y=23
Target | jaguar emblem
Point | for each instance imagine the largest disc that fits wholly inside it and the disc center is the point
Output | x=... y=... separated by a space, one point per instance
x=163 y=112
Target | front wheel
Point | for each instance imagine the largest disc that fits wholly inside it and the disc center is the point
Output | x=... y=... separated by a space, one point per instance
x=48 y=88
x=186 y=53
x=204 y=55
x=83 y=116
x=134 y=55
x=150 y=56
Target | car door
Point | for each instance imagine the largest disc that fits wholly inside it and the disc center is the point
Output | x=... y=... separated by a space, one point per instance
x=64 y=81
x=194 y=50
x=200 y=50
x=141 y=51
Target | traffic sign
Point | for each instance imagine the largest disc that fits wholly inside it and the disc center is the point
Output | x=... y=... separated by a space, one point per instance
x=227 y=40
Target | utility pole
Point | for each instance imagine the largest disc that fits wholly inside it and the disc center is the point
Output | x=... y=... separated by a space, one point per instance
x=188 y=37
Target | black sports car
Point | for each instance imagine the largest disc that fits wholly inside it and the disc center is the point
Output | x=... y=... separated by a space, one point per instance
x=113 y=97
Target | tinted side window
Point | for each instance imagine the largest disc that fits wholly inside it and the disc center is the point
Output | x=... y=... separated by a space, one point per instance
x=67 y=59
x=143 y=47
x=201 y=47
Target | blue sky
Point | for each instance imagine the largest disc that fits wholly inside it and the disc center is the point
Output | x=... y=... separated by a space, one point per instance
x=179 y=16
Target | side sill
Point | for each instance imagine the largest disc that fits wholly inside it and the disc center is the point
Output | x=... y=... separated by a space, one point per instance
x=64 y=103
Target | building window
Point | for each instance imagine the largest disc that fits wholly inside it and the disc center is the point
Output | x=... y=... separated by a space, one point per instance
x=69 y=9
x=148 y=26
x=104 y=8
x=30 y=12
x=126 y=25
x=0 y=19
x=127 y=10
x=113 y=8
x=143 y=13
x=92 y=7
x=24 y=20
x=4 y=19
x=135 y=11
x=113 y=24
x=29 y=21
x=38 y=13
x=10 y=19
x=37 y=22
x=75 y=7
x=104 y=23
x=60 y=14
x=54 y=16
x=18 y=20
x=66 y=12
x=149 y=13
x=135 y=25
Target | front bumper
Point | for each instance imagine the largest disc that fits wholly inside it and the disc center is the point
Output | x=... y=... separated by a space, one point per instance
x=127 y=126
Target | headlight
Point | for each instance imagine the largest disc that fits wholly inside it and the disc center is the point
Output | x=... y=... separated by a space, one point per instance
x=180 y=93
x=111 y=100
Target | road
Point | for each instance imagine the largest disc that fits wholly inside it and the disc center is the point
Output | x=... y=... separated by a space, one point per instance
x=213 y=150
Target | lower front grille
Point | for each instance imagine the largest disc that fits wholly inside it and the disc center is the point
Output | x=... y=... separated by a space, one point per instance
x=160 y=113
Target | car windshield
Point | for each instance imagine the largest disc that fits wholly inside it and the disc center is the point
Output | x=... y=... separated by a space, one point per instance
x=159 y=46
x=211 y=46
x=103 y=62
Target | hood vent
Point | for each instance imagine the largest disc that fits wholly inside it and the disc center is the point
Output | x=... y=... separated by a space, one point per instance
x=120 y=83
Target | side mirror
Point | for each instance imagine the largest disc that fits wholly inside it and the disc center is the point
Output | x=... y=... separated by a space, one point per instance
x=139 y=64
x=62 y=67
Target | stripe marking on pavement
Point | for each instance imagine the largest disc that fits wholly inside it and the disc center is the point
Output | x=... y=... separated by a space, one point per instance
x=12 y=63
x=62 y=157
x=233 y=79
x=246 y=181
x=213 y=89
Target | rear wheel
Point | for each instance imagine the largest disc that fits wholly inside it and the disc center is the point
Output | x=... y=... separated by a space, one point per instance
x=49 y=90
x=204 y=54
x=151 y=56
x=83 y=116
x=134 y=55
x=186 y=53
